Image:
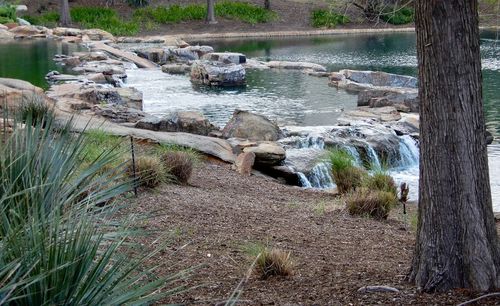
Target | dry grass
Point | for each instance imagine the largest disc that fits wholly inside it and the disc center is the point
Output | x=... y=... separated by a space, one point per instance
x=149 y=171
x=179 y=164
x=273 y=262
x=373 y=203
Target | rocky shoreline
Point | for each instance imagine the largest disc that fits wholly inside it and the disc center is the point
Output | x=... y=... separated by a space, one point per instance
x=387 y=103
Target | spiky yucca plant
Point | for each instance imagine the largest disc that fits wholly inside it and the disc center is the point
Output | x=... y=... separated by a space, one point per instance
x=56 y=246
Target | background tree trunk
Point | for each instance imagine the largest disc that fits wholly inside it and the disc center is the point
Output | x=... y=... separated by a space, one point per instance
x=65 y=14
x=267 y=4
x=457 y=243
x=211 y=12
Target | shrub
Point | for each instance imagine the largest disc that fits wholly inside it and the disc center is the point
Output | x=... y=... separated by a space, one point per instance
x=398 y=16
x=347 y=177
x=149 y=171
x=57 y=247
x=7 y=14
x=274 y=262
x=326 y=18
x=178 y=164
x=374 y=203
x=382 y=181
x=34 y=110
x=103 y=18
x=243 y=11
x=172 y=14
x=45 y=19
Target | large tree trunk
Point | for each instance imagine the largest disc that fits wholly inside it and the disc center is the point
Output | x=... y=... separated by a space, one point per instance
x=457 y=243
x=65 y=14
x=211 y=12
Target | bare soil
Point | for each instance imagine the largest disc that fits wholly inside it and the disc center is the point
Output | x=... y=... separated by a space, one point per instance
x=220 y=213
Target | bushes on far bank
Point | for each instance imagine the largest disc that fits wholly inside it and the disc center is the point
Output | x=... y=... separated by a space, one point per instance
x=323 y=18
x=7 y=14
x=398 y=16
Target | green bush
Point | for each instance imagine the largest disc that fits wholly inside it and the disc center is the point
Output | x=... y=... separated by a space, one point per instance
x=381 y=181
x=103 y=18
x=373 y=203
x=176 y=13
x=325 y=18
x=398 y=16
x=45 y=19
x=56 y=246
x=346 y=175
x=172 y=14
x=243 y=11
x=7 y=14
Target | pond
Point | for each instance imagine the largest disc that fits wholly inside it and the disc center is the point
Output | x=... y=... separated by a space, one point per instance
x=30 y=60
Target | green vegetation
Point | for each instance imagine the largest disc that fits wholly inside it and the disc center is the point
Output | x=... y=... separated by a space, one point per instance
x=346 y=175
x=269 y=261
x=56 y=246
x=34 y=110
x=382 y=181
x=176 y=13
x=49 y=19
x=103 y=18
x=373 y=203
x=7 y=14
x=322 y=18
x=149 y=171
x=138 y=3
x=398 y=16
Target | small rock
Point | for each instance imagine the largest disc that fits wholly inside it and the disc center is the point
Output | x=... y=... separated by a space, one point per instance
x=217 y=74
x=22 y=22
x=267 y=153
x=176 y=68
x=226 y=57
x=244 y=163
x=371 y=289
x=296 y=65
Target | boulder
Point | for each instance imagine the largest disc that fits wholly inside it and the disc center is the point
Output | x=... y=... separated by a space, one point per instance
x=119 y=113
x=98 y=35
x=363 y=113
x=5 y=34
x=188 y=122
x=244 y=163
x=176 y=68
x=13 y=92
x=489 y=137
x=405 y=100
x=2 y=27
x=251 y=126
x=30 y=30
x=254 y=64
x=217 y=74
x=296 y=65
x=156 y=55
x=21 y=8
x=130 y=97
x=226 y=57
x=267 y=153
x=60 y=31
x=22 y=22
x=379 y=78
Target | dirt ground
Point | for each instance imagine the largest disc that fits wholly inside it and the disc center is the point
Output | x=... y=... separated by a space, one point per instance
x=211 y=222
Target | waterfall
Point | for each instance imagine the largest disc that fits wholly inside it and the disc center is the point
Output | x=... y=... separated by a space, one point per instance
x=319 y=177
x=408 y=152
x=304 y=182
x=312 y=142
x=372 y=155
x=354 y=153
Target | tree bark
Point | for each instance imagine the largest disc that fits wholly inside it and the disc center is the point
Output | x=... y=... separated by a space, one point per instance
x=457 y=243
x=64 y=12
x=267 y=4
x=211 y=12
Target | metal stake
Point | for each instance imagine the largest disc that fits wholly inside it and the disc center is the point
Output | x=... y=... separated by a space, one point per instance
x=133 y=164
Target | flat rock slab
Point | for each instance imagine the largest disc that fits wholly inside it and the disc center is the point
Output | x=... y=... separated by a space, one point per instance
x=140 y=62
x=296 y=65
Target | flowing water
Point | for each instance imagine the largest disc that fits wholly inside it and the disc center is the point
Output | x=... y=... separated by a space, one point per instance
x=289 y=97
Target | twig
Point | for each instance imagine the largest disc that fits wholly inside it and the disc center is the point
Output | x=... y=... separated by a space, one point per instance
x=479 y=298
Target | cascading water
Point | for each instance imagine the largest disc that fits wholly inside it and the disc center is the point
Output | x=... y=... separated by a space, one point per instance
x=408 y=152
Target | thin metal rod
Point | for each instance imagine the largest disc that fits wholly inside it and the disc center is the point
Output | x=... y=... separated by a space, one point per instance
x=133 y=164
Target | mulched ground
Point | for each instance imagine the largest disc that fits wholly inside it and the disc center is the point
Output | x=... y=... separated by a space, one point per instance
x=211 y=221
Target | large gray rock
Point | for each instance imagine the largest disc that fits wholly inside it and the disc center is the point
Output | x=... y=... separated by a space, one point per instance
x=226 y=57
x=187 y=122
x=60 y=31
x=106 y=67
x=405 y=100
x=119 y=113
x=379 y=78
x=176 y=68
x=14 y=92
x=267 y=153
x=364 y=113
x=30 y=31
x=296 y=65
x=251 y=126
x=217 y=74
x=5 y=34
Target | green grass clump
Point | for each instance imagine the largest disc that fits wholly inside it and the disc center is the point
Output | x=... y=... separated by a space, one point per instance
x=372 y=203
x=46 y=19
x=322 y=18
x=243 y=11
x=346 y=175
x=269 y=261
x=56 y=246
x=34 y=110
x=105 y=19
x=98 y=142
x=149 y=171
x=398 y=16
x=382 y=181
x=176 y=13
x=171 y=14
x=7 y=14
x=179 y=164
